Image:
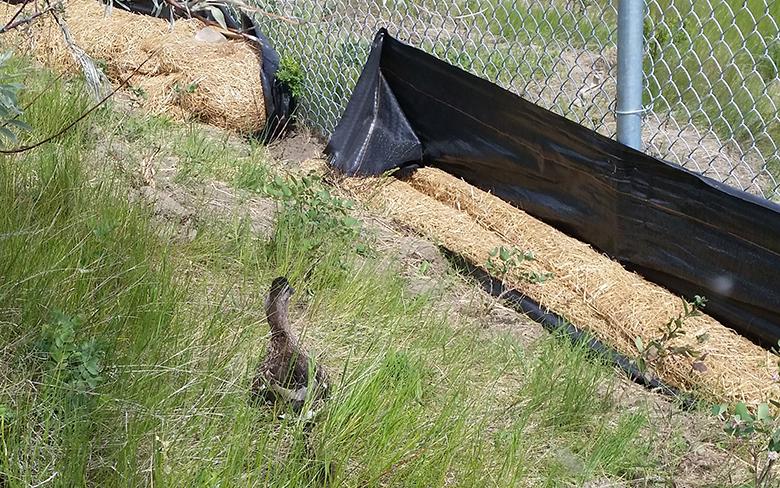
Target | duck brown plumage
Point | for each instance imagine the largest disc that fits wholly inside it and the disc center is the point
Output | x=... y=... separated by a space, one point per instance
x=286 y=372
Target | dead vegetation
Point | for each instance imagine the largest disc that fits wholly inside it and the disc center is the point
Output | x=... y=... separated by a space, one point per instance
x=214 y=79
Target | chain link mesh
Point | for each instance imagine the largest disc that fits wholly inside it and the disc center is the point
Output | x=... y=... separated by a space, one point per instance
x=711 y=67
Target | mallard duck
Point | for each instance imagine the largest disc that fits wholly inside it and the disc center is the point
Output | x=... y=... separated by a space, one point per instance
x=287 y=373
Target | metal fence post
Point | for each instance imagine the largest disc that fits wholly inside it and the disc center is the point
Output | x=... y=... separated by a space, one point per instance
x=631 y=14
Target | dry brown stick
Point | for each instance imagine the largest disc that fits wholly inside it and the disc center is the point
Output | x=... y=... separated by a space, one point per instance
x=282 y=18
x=18 y=12
x=183 y=8
x=27 y=20
x=97 y=81
x=227 y=31
x=85 y=114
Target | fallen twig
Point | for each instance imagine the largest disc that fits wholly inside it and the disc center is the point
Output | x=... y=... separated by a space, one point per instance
x=249 y=8
x=25 y=20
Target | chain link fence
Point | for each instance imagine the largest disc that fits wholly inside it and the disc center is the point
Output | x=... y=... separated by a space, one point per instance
x=711 y=66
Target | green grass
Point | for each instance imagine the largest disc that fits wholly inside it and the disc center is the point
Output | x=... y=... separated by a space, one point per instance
x=715 y=62
x=201 y=156
x=731 y=56
x=126 y=356
x=578 y=25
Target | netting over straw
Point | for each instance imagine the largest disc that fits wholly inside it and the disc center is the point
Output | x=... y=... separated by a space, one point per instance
x=587 y=288
x=218 y=82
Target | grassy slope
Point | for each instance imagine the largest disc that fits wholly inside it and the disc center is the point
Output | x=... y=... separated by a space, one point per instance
x=125 y=354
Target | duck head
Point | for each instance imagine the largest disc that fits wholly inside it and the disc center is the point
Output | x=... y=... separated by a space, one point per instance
x=280 y=287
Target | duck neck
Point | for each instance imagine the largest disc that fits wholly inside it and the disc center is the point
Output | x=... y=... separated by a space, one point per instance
x=276 y=311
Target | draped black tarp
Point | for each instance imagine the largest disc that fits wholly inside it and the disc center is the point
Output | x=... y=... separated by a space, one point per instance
x=684 y=231
x=278 y=99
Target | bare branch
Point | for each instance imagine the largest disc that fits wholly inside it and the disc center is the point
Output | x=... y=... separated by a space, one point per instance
x=177 y=6
x=12 y=25
x=96 y=80
x=5 y=27
x=85 y=114
x=248 y=8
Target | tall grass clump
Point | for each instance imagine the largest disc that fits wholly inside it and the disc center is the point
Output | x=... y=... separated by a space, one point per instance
x=566 y=396
x=116 y=373
x=84 y=286
x=563 y=385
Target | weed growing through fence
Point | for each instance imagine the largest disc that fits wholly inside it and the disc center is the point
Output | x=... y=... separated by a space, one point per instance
x=290 y=74
x=661 y=347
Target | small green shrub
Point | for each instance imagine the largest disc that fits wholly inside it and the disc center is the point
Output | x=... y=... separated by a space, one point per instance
x=761 y=431
x=504 y=260
x=290 y=74
x=179 y=90
x=314 y=203
x=75 y=363
x=6 y=415
x=315 y=239
x=659 y=348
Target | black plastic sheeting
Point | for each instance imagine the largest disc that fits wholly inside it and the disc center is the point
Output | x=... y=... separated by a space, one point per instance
x=556 y=324
x=279 y=102
x=684 y=231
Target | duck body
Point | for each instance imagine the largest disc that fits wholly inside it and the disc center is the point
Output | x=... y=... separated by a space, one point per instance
x=287 y=373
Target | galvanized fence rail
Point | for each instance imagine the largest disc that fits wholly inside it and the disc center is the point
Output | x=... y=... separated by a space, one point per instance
x=711 y=91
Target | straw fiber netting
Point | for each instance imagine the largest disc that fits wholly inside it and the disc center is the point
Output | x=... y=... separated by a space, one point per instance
x=590 y=290
x=216 y=82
